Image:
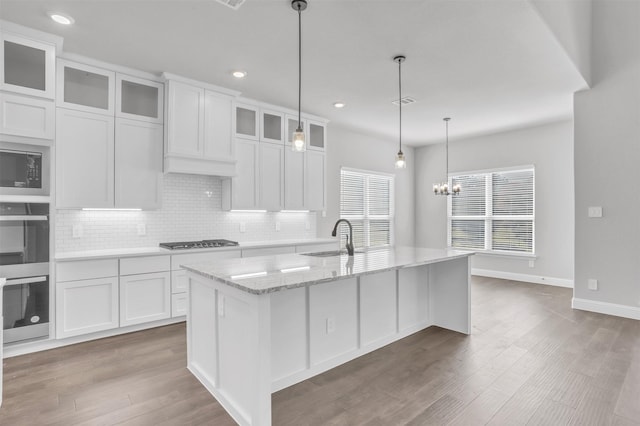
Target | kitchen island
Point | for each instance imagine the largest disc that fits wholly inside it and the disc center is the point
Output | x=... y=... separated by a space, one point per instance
x=257 y=325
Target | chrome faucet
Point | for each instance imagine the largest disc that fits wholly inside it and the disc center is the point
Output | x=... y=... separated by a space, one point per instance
x=349 y=244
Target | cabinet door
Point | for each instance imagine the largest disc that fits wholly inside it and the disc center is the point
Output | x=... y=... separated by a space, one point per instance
x=271 y=126
x=138 y=164
x=271 y=176
x=218 y=143
x=314 y=180
x=84 y=159
x=139 y=99
x=86 y=306
x=185 y=121
x=244 y=185
x=85 y=88
x=29 y=66
x=179 y=304
x=316 y=135
x=293 y=180
x=145 y=298
x=27 y=117
x=247 y=122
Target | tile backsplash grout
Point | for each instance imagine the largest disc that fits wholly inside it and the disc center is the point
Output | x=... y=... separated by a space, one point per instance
x=191 y=210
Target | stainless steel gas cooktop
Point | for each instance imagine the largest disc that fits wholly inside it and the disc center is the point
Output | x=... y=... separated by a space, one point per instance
x=198 y=244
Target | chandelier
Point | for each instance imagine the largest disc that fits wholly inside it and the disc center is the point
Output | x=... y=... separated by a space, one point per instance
x=442 y=188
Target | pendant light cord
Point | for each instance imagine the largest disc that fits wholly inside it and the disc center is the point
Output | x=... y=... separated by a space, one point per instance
x=299 y=65
x=447 y=151
x=400 y=100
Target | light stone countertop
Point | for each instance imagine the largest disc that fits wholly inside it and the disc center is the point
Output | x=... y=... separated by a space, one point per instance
x=157 y=251
x=265 y=274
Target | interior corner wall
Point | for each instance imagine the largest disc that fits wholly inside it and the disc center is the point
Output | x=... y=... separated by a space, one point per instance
x=550 y=149
x=607 y=164
x=351 y=149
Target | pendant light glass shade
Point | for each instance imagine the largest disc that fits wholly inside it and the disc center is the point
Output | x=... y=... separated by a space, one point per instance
x=298 y=142
x=401 y=162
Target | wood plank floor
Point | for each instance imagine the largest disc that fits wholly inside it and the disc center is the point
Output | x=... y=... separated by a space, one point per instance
x=531 y=359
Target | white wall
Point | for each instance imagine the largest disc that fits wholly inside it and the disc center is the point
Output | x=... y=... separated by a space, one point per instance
x=349 y=149
x=191 y=210
x=607 y=164
x=550 y=149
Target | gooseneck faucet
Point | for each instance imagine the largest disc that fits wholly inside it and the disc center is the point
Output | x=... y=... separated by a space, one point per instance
x=349 y=244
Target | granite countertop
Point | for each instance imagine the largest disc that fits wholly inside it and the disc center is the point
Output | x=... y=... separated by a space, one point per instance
x=155 y=251
x=265 y=274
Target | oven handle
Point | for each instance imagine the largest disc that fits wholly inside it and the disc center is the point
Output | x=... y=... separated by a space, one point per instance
x=25 y=217
x=30 y=280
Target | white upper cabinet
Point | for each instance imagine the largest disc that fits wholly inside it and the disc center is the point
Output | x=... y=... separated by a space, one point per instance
x=200 y=130
x=26 y=116
x=85 y=87
x=314 y=180
x=29 y=66
x=218 y=143
x=241 y=191
x=294 y=176
x=271 y=184
x=138 y=164
x=247 y=122
x=271 y=126
x=84 y=159
x=185 y=123
x=292 y=125
x=139 y=99
x=316 y=135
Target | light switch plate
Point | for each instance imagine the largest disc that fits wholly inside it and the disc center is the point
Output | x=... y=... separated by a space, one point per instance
x=77 y=231
x=277 y=226
x=142 y=229
x=595 y=211
x=243 y=227
x=592 y=284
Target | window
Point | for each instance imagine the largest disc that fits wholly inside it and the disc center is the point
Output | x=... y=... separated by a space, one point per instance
x=494 y=211
x=366 y=200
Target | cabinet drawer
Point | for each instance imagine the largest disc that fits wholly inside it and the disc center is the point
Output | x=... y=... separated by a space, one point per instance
x=143 y=265
x=268 y=251
x=179 y=304
x=86 y=269
x=185 y=259
x=179 y=281
x=311 y=248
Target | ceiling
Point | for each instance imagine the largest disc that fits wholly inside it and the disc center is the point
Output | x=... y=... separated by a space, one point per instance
x=491 y=65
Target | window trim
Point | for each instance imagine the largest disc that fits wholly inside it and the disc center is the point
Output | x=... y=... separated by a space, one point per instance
x=366 y=219
x=488 y=217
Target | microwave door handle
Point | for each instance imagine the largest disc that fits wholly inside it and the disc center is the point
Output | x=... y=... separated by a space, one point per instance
x=30 y=280
x=24 y=218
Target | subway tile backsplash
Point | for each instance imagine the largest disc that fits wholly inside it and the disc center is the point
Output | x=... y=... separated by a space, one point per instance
x=191 y=210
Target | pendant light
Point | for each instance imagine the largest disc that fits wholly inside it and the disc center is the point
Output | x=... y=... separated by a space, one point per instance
x=442 y=188
x=401 y=163
x=299 y=144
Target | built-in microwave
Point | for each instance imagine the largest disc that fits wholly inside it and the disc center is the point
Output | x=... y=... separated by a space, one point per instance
x=24 y=169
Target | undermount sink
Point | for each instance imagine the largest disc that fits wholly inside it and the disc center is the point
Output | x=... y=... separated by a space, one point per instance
x=327 y=253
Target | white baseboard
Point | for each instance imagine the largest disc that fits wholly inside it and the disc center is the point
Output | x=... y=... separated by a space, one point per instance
x=624 y=311
x=536 y=279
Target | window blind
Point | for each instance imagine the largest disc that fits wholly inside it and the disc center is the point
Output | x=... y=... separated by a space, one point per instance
x=494 y=211
x=366 y=200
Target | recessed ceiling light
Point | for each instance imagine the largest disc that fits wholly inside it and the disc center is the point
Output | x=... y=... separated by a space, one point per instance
x=339 y=104
x=61 y=18
x=239 y=74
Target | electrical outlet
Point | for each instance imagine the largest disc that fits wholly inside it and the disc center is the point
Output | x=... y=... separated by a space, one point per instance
x=592 y=284
x=243 y=227
x=532 y=263
x=277 y=226
x=324 y=213
x=77 y=231
x=331 y=325
x=142 y=229
x=595 y=211
x=307 y=225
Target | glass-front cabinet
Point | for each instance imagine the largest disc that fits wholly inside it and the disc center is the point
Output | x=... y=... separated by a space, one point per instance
x=28 y=66
x=85 y=88
x=139 y=99
x=316 y=135
x=271 y=126
x=247 y=122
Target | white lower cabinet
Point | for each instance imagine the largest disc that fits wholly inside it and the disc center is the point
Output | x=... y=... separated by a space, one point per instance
x=145 y=298
x=86 y=306
x=179 y=304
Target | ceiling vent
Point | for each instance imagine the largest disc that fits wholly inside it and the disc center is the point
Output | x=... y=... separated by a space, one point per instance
x=405 y=101
x=233 y=4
